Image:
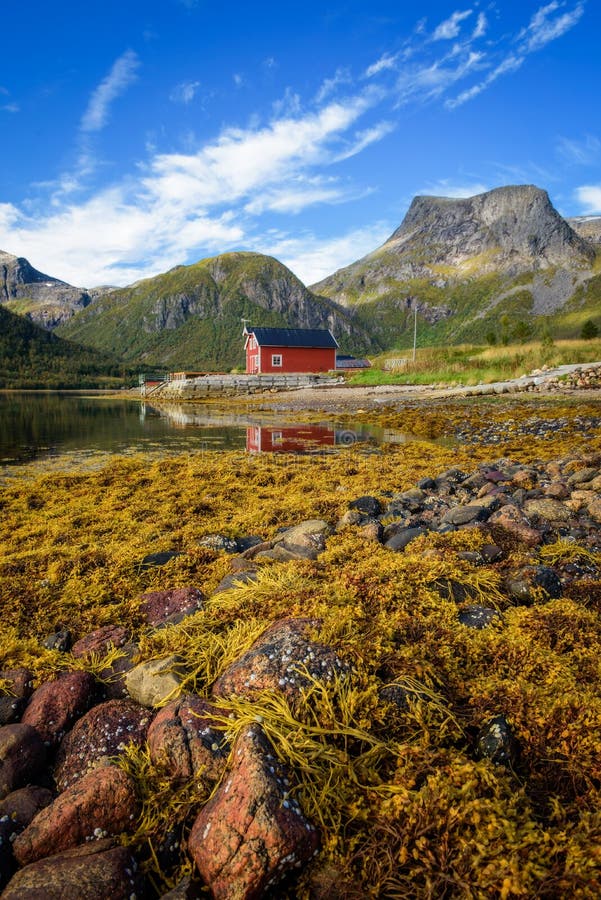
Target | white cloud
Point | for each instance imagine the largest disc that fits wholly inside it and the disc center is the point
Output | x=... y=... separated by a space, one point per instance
x=330 y=85
x=544 y=27
x=364 y=138
x=428 y=82
x=481 y=26
x=511 y=63
x=11 y=108
x=387 y=61
x=450 y=28
x=311 y=258
x=457 y=191
x=183 y=202
x=184 y=92
x=589 y=197
x=584 y=152
x=122 y=74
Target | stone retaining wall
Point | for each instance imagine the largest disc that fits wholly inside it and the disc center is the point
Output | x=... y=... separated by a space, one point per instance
x=197 y=388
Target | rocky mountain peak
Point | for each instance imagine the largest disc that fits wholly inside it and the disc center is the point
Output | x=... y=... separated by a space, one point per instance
x=45 y=300
x=515 y=225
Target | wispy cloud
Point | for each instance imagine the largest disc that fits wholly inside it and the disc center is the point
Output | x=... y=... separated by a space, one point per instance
x=311 y=258
x=584 y=152
x=184 y=92
x=121 y=75
x=547 y=24
x=450 y=28
x=481 y=26
x=204 y=200
x=589 y=197
x=385 y=62
x=342 y=76
x=447 y=188
x=10 y=108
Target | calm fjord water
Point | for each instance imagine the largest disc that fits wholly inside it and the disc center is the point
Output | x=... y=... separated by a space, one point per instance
x=38 y=424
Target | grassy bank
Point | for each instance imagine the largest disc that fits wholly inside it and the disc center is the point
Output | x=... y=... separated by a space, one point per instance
x=404 y=807
x=469 y=364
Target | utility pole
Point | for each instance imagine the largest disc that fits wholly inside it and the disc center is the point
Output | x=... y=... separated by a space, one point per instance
x=414 y=300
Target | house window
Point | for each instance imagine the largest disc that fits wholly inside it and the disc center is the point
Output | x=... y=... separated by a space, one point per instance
x=276 y=359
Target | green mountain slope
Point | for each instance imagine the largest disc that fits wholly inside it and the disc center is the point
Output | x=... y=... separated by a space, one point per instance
x=31 y=357
x=503 y=264
x=191 y=317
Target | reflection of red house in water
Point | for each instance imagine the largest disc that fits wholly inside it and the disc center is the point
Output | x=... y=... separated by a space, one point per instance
x=288 y=439
x=285 y=350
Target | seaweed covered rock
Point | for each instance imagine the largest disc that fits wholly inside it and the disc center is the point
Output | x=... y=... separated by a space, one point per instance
x=478 y=617
x=497 y=742
x=161 y=607
x=303 y=541
x=99 y=642
x=251 y=833
x=93 y=871
x=99 y=736
x=283 y=659
x=532 y=583
x=22 y=756
x=512 y=519
x=182 y=740
x=101 y=804
x=57 y=704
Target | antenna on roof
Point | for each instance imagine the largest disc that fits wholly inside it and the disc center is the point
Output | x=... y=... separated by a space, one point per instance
x=244 y=321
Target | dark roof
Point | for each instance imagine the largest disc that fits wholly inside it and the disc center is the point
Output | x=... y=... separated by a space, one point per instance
x=294 y=337
x=351 y=362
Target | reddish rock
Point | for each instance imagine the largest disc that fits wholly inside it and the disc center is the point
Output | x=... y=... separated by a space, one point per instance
x=280 y=660
x=94 y=871
x=100 y=641
x=101 y=804
x=557 y=490
x=16 y=812
x=251 y=833
x=182 y=739
x=22 y=756
x=56 y=705
x=104 y=732
x=512 y=519
x=159 y=607
x=21 y=806
x=18 y=688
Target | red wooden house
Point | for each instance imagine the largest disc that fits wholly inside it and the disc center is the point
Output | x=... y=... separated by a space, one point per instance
x=285 y=350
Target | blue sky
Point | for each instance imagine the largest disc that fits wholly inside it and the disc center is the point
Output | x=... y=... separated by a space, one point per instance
x=141 y=135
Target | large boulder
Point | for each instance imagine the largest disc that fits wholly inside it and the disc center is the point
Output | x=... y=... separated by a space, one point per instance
x=183 y=740
x=167 y=607
x=251 y=833
x=101 y=804
x=283 y=659
x=57 y=704
x=99 y=642
x=93 y=871
x=152 y=683
x=22 y=756
x=99 y=736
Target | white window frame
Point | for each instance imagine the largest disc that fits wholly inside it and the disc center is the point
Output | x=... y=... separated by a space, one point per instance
x=276 y=360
